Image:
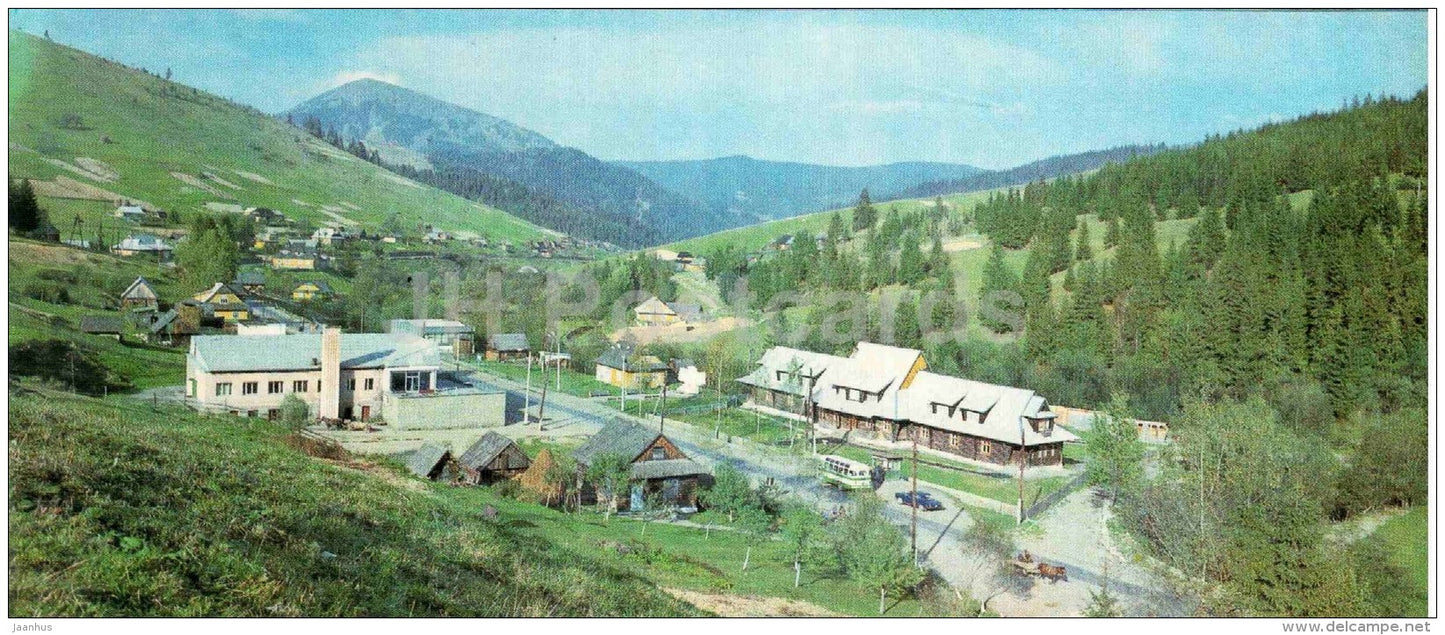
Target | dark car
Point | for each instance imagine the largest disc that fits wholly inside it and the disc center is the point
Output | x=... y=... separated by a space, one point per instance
x=925 y=502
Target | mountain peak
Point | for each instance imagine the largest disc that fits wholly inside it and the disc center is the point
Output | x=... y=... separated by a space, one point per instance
x=378 y=111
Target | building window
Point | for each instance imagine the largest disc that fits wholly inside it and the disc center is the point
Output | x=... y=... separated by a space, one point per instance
x=273 y=414
x=275 y=387
x=250 y=388
x=370 y=383
x=659 y=453
x=251 y=414
x=984 y=447
x=299 y=385
x=223 y=389
x=955 y=441
x=351 y=384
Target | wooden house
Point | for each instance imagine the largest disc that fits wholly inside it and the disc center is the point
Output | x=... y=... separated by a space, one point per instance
x=104 y=325
x=433 y=462
x=176 y=326
x=143 y=245
x=507 y=346
x=250 y=281
x=308 y=290
x=659 y=470
x=887 y=393
x=140 y=294
x=223 y=303
x=492 y=458
x=621 y=367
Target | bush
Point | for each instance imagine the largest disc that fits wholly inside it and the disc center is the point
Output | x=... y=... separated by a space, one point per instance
x=52 y=292
x=507 y=489
x=64 y=363
x=294 y=411
x=1390 y=467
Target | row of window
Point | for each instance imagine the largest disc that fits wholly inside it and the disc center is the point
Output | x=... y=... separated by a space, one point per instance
x=277 y=387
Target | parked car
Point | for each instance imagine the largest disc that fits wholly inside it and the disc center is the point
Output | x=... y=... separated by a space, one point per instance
x=924 y=500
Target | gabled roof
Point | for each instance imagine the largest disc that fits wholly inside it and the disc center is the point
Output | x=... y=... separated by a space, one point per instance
x=686 y=312
x=485 y=450
x=143 y=242
x=425 y=459
x=508 y=342
x=620 y=357
x=141 y=288
x=321 y=286
x=209 y=295
x=302 y=351
x=653 y=306
x=807 y=364
x=619 y=436
x=251 y=277
x=666 y=468
x=1008 y=409
x=102 y=324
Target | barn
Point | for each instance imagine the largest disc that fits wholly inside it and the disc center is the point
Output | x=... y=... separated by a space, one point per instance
x=492 y=458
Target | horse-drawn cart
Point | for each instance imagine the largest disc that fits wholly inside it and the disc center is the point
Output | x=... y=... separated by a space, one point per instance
x=1025 y=565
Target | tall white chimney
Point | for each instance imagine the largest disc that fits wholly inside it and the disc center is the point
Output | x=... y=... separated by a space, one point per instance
x=330 y=405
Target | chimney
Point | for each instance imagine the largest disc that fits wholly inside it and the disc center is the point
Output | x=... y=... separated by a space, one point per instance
x=330 y=404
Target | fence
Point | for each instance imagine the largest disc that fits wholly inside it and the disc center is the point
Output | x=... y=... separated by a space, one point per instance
x=1055 y=496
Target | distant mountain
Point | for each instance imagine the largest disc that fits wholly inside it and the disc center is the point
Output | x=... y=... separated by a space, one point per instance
x=747 y=188
x=574 y=192
x=1041 y=169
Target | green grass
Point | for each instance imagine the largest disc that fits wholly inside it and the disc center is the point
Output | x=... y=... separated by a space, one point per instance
x=119 y=510
x=1407 y=539
x=158 y=127
x=1002 y=488
x=93 y=282
x=573 y=382
x=741 y=423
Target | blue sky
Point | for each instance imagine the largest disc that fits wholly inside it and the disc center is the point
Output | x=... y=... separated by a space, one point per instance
x=990 y=88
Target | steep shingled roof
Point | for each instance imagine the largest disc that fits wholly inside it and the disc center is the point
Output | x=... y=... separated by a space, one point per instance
x=424 y=460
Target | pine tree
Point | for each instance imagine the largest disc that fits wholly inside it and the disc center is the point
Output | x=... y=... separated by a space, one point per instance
x=998 y=280
x=1111 y=236
x=1084 y=250
x=908 y=334
x=864 y=215
x=911 y=266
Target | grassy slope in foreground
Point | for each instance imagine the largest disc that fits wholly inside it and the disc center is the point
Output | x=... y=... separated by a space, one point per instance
x=158 y=127
x=118 y=510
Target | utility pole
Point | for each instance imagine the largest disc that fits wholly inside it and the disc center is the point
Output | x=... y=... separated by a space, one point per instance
x=1023 y=458
x=914 y=533
x=527 y=394
x=559 y=360
x=542 y=409
x=662 y=411
x=808 y=413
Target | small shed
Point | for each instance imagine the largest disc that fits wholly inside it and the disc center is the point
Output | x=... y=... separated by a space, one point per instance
x=507 y=346
x=251 y=281
x=139 y=294
x=108 y=325
x=432 y=461
x=493 y=458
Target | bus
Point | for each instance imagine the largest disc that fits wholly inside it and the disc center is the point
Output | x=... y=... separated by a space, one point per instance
x=845 y=474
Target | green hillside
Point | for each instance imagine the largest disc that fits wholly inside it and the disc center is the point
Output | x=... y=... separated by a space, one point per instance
x=115 y=132
x=95 y=528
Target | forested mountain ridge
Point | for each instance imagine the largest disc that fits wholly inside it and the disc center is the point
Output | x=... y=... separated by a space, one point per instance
x=477 y=155
x=1042 y=169
x=744 y=189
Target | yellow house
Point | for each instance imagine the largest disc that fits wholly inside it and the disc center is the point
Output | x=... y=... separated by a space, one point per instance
x=310 y=290
x=619 y=368
x=293 y=261
x=224 y=302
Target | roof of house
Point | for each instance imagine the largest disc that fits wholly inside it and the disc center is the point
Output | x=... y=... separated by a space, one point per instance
x=654 y=306
x=251 y=277
x=321 y=286
x=508 y=342
x=102 y=324
x=1006 y=408
x=430 y=326
x=143 y=242
x=302 y=351
x=666 y=468
x=807 y=364
x=619 y=436
x=130 y=209
x=686 y=312
x=141 y=288
x=485 y=450
x=209 y=295
x=620 y=357
x=423 y=460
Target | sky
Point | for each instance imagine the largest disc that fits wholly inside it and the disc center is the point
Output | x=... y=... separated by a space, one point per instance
x=988 y=88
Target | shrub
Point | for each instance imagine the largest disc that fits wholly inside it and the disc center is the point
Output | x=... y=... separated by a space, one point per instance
x=294 y=411
x=64 y=363
x=44 y=291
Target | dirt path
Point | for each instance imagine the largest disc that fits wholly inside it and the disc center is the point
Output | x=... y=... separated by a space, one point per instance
x=728 y=605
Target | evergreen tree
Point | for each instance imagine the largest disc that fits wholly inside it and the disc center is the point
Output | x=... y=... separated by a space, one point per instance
x=1084 y=250
x=25 y=212
x=998 y=279
x=908 y=333
x=911 y=266
x=864 y=215
x=1111 y=236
